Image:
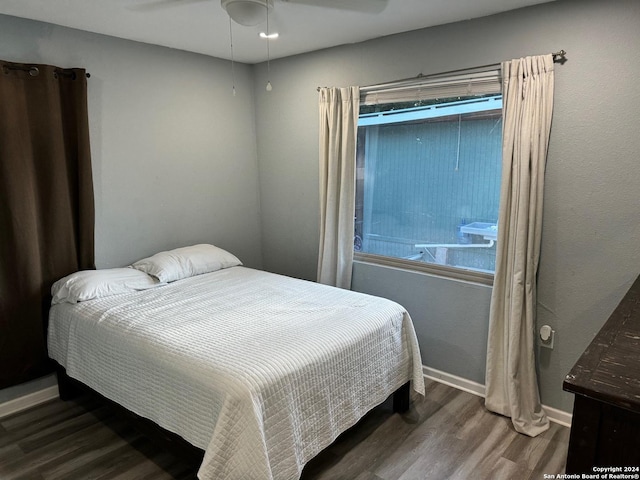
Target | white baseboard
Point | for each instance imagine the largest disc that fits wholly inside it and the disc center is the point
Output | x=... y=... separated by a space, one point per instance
x=558 y=416
x=453 y=381
x=27 y=401
x=553 y=414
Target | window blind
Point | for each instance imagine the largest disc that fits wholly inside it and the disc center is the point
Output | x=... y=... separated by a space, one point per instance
x=461 y=85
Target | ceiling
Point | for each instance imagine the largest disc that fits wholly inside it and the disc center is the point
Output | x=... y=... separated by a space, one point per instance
x=202 y=26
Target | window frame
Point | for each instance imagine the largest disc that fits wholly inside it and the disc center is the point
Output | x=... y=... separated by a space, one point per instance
x=421 y=88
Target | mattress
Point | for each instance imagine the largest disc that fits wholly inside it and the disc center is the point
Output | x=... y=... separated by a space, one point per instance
x=261 y=371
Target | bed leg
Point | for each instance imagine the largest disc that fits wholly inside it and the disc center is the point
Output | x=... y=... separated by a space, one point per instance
x=401 y=398
x=68 y=388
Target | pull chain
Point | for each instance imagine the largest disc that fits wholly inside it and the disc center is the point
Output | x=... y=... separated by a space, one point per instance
x=269 y=87
x=233 y=70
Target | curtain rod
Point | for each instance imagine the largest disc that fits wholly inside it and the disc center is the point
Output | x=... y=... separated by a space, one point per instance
x=558 y=57
x=35 y=71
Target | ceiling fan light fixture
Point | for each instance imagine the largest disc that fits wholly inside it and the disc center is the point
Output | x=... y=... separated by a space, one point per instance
x=247 y=12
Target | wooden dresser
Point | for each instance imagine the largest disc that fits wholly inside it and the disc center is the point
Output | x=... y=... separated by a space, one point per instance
x=605 y=430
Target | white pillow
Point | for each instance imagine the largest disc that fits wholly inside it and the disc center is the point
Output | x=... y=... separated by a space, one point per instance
x=186 y=262
x=90 y=284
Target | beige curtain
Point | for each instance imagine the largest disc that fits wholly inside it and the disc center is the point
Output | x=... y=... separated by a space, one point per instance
x=511 y=381
x=338 y=132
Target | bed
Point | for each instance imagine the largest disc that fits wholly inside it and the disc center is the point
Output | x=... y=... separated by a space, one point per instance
x=260 y=371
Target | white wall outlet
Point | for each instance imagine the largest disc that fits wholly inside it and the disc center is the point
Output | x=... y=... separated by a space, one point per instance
x=546 y=337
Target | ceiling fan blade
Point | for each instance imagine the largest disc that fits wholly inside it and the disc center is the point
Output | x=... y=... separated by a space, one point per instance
x=364 y=6
x=161 y=4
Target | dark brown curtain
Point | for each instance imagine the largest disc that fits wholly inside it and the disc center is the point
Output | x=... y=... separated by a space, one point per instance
x=46 y=205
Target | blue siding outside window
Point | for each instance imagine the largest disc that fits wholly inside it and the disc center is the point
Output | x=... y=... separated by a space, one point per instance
x=419 y=181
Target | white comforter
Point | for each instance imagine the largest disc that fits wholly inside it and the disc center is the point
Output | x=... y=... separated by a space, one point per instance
x=260 y=370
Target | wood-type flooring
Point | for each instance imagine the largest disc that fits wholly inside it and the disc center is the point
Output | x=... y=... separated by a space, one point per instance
x=448 y=434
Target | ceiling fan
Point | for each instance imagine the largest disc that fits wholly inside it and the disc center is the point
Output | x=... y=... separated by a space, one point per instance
x=254 y=12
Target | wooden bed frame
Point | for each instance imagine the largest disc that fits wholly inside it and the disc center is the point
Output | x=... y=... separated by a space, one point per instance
x=69 y=388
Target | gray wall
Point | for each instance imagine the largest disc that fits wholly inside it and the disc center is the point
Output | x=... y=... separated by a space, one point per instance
x=173 y=152
x=590 y=251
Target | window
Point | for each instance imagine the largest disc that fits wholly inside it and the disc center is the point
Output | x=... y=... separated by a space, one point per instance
x=428 y=174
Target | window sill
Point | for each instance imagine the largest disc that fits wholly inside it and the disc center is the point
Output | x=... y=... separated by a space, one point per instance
x=443 y=271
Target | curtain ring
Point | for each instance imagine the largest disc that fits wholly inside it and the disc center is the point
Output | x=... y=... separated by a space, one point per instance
x=34 y=72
